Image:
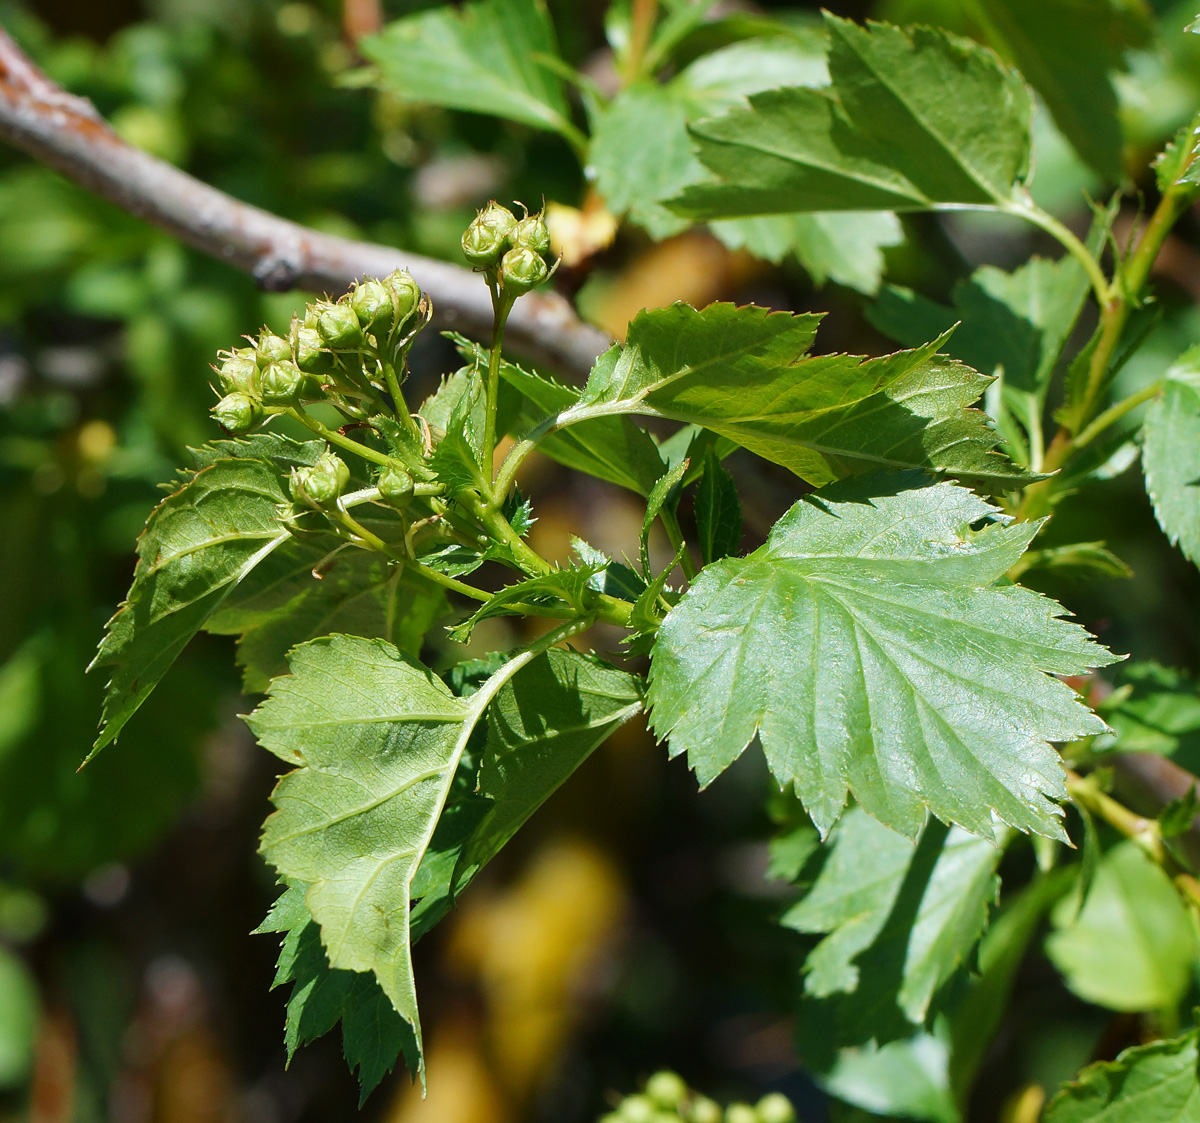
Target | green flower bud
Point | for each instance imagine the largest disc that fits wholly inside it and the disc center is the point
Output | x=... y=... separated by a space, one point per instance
x=665 y=1117
x=282 y=384
x=522 y=270
x=310 y=357
x=637 y=1109
x=337 y=325
x=272 y=349
x=533 y=233
x=740 y=1113
x=395 y=487
x=321 y=484
x=237 y=413
x=704 y=1110
x=489 y=235
x=775 y=1108
x=238 y=375
x=372 y=304
x=667 y=1089
x=405 y=292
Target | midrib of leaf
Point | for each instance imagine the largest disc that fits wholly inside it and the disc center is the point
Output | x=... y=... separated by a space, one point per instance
x=943 y=143
x=362 y=809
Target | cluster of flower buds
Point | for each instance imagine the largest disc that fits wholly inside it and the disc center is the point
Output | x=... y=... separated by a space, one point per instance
x=514 y=250
x=667 y=1099
x=279 y=371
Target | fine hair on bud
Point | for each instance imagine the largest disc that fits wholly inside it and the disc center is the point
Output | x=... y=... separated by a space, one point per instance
x=237 y=413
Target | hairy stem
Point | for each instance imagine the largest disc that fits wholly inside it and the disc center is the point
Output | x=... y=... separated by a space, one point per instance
x=1146 y=833
x=503 y=304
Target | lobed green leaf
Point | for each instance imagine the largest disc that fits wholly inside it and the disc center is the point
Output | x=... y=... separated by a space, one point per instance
x=744 y=374
x=913 y=120
x=869 y=648
x=197 y=546
x=1155 y=1083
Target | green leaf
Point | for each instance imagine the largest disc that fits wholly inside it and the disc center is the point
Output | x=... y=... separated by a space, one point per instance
x=900 y=916
x=377 y=741
x=374 y=1035
x=1171 y=455
x=1177 y=163
x=545 y=722
x=456 y=458
x=718 y=512
x=198 y=544
x=282 y=604
x=913 y=120
x=609 y=448
x=1015 y=323
x=870 y=650
x=906 y=1078
x=1092 y=558
x=274 y=448
x=1155 y=709
x=641 y=153
x=743 y=373
x=664 y=496
x=611 y=577
x=1155 y=1083
x=1067 y=49
x=571 y=587
x=832 y=246
x=1132 y=946
x=483 y=58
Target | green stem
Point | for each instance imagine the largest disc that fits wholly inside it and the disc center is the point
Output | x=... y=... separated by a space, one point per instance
x=501 y=306
x=507 y=476
x=339 y=439
x=675 y=535
x=641 y=28
x=1034 y=214
x=1114 y=413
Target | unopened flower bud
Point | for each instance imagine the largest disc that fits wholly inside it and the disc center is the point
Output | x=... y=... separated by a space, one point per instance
x=740 y=1113
x=309 y=355
x=282 y=384
x=404 y=291
x=272 y=349
x=395 y=486
x=337 y=325
x=704 y=1110
x=372 y=304
x=237 y=413
x=533 y=233
x=522 y=270
x=321 y=484
x=238 y=376
x=637 y=1109
x=775 y=1108
x=489 y=235
x=667 y=1089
